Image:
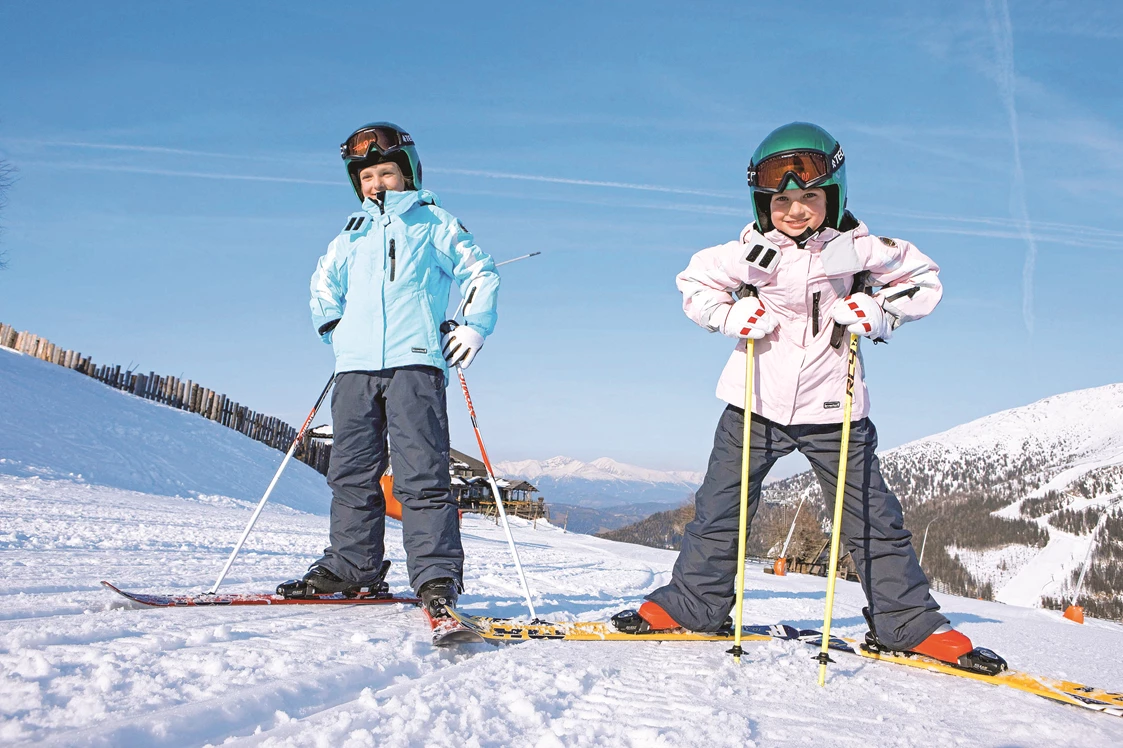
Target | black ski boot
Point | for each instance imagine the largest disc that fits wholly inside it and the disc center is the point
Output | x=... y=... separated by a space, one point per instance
x=322 y=581
x=438 y=594
x=630 y=622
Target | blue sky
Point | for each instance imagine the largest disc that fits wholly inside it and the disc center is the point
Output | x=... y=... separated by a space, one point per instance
x=179 y=176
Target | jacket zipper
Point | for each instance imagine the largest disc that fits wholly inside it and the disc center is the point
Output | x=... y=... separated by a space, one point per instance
x=815 y=314
x=392 y=261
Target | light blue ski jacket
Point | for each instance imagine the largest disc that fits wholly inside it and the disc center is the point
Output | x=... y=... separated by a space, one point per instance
x=381 y=291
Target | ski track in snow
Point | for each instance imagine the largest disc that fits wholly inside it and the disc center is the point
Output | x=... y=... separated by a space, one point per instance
x=79 y=667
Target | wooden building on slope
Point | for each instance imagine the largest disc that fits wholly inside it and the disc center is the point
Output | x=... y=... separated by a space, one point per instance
x=470 y=486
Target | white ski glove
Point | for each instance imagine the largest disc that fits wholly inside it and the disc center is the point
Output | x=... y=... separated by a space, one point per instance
x=460 y=344
x=860 y=314
x=747 y=318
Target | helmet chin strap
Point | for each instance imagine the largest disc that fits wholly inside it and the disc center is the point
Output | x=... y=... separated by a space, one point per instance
x=807 y=235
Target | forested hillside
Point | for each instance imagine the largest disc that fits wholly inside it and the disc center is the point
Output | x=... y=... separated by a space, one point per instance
x=992 y=495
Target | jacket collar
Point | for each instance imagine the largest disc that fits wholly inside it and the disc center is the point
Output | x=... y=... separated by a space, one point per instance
x=399 y=203
x=780 y=239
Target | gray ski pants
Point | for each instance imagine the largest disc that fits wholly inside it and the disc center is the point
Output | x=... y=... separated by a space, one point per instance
x=701 y=592
x=403 y=409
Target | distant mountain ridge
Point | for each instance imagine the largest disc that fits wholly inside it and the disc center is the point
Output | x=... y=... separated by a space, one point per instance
x=1012 y=501
x=604 y=482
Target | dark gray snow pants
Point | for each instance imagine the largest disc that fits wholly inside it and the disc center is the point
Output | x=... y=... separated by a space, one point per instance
x=701 y=592
x=400 y=413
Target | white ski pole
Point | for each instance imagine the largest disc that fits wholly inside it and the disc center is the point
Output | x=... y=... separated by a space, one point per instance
x=272 y=483
x=514 y=259
x=501 y=512
x=788 y=540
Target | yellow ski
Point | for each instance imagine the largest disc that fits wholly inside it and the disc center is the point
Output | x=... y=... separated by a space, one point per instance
x=498 y=630
x=1064 y=691
x=509 y=630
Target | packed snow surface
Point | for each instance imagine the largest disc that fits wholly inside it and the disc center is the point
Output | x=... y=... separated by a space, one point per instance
x=78 y=666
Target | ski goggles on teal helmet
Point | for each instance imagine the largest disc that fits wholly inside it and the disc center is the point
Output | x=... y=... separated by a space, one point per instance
x=380 y=142
x=807 y=168
x=382 y=139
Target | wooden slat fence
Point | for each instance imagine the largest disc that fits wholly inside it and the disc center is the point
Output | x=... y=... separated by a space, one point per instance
x=176 y=393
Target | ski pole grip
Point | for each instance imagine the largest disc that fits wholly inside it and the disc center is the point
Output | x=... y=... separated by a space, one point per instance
x=448 y=326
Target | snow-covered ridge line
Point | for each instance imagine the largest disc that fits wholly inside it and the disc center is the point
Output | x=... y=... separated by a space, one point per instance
x=600 y=469
x=1082 y=421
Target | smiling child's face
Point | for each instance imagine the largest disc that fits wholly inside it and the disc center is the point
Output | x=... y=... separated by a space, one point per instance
x=795 y=211
x=384 y=177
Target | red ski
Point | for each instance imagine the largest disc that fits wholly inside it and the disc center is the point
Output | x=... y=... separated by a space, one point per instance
x=448 y=631
x=205 y=600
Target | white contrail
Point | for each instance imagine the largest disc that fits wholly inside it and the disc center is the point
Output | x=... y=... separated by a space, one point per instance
x=582 y=182
x=1057 y=233
x=193 y=174
x=143 y=149
x=998 y=13
x=463 y=172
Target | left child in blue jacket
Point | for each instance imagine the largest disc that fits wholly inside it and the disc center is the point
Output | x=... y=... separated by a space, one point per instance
x=379 y=295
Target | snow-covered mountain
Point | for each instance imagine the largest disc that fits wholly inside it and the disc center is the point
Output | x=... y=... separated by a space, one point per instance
x=1082 y=422
x=1013 y=497
x=603 y=482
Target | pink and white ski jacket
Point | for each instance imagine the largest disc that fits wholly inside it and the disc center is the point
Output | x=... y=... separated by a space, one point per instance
x=799 y=377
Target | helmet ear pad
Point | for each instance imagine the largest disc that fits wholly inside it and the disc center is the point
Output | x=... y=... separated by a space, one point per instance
x=762 y=202
x=834 y=210
x=398 y=157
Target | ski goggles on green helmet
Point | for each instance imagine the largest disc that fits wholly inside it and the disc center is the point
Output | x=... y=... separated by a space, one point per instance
x=381 y=140
x=807 y=168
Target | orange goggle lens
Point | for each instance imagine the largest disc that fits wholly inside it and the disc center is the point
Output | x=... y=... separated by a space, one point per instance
x=381 y=139
x=808 y=167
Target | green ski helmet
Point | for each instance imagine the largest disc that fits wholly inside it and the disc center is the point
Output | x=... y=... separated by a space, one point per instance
x=799 y=154
x=380 y=142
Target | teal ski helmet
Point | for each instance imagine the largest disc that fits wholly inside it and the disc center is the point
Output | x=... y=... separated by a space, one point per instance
x=803 y=155
x=377 y=143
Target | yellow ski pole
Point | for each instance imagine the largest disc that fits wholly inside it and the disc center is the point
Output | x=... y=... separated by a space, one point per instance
x=750 y=356
x=839 y=494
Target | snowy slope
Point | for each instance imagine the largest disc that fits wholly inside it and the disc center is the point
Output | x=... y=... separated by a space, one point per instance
x=77 y=668
x=1047 y=446
x=55 y=422
x=1068 y=435
x=602 y=482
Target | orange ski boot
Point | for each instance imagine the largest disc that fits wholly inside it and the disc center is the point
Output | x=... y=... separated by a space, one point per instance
x=945 y=644
x=650 y=617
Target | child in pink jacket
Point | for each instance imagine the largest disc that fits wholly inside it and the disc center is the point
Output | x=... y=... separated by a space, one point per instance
x=805 y=273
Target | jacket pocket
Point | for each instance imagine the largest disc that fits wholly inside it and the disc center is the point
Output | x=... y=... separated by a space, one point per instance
x=815 y=313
